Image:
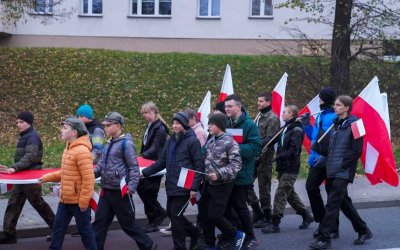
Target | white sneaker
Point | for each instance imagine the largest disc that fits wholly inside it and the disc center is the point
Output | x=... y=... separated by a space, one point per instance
x=167 y=230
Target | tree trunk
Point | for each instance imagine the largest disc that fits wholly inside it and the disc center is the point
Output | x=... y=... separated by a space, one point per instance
x=340 y=52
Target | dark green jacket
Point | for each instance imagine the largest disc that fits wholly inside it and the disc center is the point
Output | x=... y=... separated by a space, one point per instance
x=249 y=149
x=29 y=152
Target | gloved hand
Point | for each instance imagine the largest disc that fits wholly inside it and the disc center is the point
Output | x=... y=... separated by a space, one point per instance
x=305 y=119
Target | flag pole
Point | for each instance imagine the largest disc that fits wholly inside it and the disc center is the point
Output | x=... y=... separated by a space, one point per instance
x=326 y=132
x=130 y=200
x=184 y=206
x=265 y=148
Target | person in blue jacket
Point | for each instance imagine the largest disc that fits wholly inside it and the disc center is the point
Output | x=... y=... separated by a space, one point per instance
x=317 y=162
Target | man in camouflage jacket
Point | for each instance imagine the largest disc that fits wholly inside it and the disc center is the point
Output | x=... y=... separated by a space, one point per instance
x=268 y=125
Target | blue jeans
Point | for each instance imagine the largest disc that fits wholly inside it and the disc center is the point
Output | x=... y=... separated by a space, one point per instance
x=63 y=218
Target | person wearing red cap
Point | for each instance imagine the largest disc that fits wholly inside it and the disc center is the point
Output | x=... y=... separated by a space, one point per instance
x=28 y=155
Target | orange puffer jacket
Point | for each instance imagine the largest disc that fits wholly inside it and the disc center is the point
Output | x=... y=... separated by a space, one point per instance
x=76 y=174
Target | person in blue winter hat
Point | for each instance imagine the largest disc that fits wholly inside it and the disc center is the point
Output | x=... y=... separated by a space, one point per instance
x=95 y=129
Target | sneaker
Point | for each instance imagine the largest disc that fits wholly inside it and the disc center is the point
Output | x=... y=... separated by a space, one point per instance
x=334 y=236
x=6 y=238
x=362 y=238
x=48 y=238
x=271 y=229
x=239 y=239
x=151 y=228
x=166 y=231
x=75 y=234
x=160 y=219
x=316 y=233
x=250 y=244
x=320 y=244
x=261 y=223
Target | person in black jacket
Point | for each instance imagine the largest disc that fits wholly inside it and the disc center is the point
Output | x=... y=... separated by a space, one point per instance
x=28 y=155
x=182 y=150
x=154 y=138
x=343 y=154
x=288 y=166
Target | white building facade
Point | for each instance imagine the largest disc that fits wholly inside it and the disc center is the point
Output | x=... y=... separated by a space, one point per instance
x=200 y=26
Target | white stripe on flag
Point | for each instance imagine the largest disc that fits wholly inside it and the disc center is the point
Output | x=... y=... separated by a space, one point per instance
x=182 y=177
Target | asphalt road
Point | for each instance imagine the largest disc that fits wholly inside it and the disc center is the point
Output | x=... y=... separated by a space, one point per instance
x=383 y=222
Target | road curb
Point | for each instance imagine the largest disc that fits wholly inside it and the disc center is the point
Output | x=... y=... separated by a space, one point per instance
x=44 y=231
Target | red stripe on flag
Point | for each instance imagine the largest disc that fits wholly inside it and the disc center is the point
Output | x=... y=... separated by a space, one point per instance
x=354 y=129
x=377 y=135
x=189 y=179
x=276 y=103
x=222 y=97
x=238 y=138
x=94 y=200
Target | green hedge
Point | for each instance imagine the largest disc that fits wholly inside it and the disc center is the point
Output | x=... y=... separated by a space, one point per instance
x=53 y=83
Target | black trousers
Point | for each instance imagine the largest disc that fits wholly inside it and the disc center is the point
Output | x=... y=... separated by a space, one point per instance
x=237 y=203
x=112 y=204
x=148 y=192
x=338 y=199
x=214 y=200
x=180 y=226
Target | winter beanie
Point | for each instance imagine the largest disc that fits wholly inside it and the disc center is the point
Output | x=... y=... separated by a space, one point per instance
x=182 y=118
x=85 y=110
x=218 y=120
x=328 y=95
x=220 y=106
x=26 y=116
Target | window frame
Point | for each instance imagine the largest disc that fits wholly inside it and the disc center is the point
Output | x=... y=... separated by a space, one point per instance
x=262 y=8
x=48 y=4
x=90 y=9
x=139 y=8
x=209 y=11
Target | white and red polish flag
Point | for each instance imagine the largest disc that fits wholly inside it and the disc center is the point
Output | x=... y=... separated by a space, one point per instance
x=123 y=186
x=278 y=97
x=312 y=108
x=377 y=156
x=94 y=201
x=205 y=110
x=227 y=85
x=186 y=178
x=4 y=188
x=358 y=129
x=237 y=134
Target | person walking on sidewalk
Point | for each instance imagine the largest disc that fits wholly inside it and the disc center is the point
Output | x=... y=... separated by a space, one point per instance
x=317 y=162
x=249 y=148
x=288 y=166
x=118 y=164
x=154 y=138
x=268 y=125
x=222 y=162
x=195 y=124
x=343 y=154
x=28 y=155
x=95 y=129
x=182 y=150
x=77 y=185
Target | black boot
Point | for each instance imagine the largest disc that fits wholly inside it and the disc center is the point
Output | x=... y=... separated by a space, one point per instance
x=258 y=214
x=267 y=219
x=6 y=238
x=273 y=227
x=307 y=219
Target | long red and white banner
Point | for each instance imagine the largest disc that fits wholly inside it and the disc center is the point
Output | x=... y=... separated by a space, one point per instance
x=32 y=176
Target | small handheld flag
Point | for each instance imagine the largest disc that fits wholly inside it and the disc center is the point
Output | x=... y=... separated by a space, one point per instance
x=358 y=129
x=123 y=186
x=186 y=178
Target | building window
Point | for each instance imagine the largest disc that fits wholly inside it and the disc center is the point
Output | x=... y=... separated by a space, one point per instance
x=43 y=7
x=92 y=7
x=209 y=8
x=151 y=7
x=261 y=8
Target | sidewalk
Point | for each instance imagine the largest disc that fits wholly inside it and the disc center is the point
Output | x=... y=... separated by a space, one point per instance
x=363 y=194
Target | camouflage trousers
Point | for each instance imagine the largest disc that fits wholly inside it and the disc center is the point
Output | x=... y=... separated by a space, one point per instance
x=285 y=193
x=19 y=194
x=263 y=171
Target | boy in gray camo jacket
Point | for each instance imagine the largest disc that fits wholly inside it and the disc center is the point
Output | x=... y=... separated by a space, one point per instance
x=223 y=162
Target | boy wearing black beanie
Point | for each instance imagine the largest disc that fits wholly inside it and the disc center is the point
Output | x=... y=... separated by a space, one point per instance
x=28 y=155
x=223 y=162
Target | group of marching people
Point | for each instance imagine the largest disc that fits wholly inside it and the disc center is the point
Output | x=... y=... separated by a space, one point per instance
x=225 y=167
